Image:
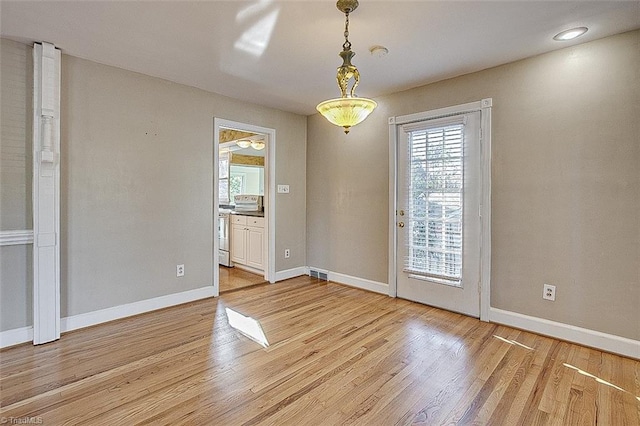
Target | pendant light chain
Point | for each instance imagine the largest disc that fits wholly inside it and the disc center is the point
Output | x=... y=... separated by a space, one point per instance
x=347 y=44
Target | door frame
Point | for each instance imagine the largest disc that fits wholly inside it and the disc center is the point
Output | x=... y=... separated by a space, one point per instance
x=269 y=192
x=484 y=106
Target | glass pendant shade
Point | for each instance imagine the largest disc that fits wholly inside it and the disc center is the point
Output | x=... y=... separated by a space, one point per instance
x=244 y=143
x=257 y=145
x=346 y=112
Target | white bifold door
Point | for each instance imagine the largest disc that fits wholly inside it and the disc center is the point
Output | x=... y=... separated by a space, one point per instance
x=439 y=188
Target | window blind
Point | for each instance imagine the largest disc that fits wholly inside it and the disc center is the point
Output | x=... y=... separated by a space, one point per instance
x=435 y=200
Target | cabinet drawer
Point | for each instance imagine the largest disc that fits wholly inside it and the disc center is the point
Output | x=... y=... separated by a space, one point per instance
x=239 y=220
x=255 y=221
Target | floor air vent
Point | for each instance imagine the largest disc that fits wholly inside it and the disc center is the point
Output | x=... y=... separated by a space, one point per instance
x=317 y=274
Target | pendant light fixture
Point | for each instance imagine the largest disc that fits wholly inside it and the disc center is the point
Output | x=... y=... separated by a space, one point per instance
x=257 y=145
x=347 y=110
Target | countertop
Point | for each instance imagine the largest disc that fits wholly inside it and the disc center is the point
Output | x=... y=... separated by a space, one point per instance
x=241 y=213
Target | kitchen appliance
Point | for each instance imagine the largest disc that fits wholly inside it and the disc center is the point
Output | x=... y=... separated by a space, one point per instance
x=223 y=235
x=248 y=203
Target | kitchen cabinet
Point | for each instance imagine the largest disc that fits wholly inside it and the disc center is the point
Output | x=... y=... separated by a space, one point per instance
x=248 y=241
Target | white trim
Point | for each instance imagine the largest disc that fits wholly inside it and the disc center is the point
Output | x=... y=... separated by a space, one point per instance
x=441 y=112
x=269 y=191
x=215 y=207
x=484 y=106
x=393 y=206
x=16 y=336
x=485 y=209
x=583 y=336
x=291 y=273
x=122 y=311
x=46 y=192
x=14 y=238
x=362 y=283
x=25 y=334
x=248 y=269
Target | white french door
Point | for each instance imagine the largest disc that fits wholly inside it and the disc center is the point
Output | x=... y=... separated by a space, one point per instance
x=438 y=212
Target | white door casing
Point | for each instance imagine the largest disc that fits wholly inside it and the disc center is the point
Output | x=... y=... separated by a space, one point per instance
x=471 y=295
x=269 y=194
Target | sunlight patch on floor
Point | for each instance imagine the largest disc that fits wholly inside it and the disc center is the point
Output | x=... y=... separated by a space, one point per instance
x=513 y=342
x=598 y=379
x=248 y=326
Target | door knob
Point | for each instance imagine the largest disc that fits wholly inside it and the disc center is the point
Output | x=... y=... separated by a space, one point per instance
x=400 y=224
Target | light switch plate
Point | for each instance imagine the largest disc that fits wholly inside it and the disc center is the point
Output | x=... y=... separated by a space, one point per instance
x=283 y=189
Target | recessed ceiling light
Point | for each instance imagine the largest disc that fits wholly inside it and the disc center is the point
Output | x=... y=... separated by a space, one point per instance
x=570 y=34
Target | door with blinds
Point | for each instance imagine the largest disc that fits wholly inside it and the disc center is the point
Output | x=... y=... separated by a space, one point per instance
x=438 y=212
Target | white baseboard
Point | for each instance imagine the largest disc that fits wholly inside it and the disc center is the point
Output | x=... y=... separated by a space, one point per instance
x=16 y=336
x=291 y=273
x=122 y=311
x=375 y=286
x=583 y=336
x=25 y=334
x=249 y=269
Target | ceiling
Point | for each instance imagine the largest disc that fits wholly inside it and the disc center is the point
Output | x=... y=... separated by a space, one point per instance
x=284 y=54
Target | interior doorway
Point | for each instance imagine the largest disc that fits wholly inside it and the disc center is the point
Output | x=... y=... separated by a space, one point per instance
x=243 y=205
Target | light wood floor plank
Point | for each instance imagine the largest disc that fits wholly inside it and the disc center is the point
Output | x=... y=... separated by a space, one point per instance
x=336 y=355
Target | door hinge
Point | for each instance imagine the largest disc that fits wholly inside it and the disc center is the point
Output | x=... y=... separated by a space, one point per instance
x=479 y=287
x=480 y=133
x=480 y=210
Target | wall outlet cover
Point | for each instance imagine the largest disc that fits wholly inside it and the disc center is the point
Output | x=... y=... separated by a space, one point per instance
x=549 y=292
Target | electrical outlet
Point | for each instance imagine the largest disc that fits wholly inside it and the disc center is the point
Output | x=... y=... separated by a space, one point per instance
x=179 y=270
x=287 y=253
x=549 y=292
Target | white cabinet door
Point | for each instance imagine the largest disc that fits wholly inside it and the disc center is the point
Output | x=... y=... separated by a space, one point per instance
x=248 y=241
x=255 y=247
x=238 y=243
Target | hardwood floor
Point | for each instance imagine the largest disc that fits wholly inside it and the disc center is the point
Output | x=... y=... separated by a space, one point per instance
x=335 y=355
x=235 y=278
